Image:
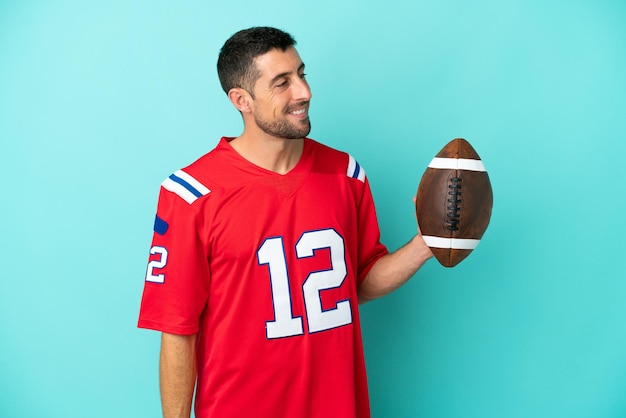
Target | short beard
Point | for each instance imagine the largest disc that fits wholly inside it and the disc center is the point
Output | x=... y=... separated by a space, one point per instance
x=283 y=129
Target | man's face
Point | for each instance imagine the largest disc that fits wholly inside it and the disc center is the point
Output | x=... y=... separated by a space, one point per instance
x=282 y=95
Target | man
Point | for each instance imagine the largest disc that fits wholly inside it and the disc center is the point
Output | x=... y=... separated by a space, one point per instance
x=262 y=250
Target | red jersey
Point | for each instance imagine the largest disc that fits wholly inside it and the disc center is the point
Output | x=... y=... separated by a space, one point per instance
x=265 y=268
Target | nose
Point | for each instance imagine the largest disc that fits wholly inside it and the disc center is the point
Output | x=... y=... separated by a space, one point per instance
x=302 y=91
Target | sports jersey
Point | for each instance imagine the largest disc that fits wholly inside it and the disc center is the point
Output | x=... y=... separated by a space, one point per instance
x=265 y=268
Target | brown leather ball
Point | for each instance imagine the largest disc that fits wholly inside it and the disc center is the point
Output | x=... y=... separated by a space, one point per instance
x=454 y=202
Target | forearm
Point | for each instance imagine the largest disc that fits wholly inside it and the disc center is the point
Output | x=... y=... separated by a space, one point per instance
x=394 y=269
x=177 y=374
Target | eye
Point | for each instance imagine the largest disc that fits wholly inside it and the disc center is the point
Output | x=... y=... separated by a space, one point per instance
x=303 y=76
x=282 y=83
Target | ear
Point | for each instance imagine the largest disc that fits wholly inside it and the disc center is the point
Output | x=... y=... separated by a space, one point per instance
x=241 y=99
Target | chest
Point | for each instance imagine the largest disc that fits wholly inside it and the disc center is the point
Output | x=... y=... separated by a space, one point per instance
x=246 y=216
x=285 y=255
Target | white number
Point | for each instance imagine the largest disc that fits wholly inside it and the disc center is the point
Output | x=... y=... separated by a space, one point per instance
x=157 y=264
x=272 y=253
x=284 y=323
x=320 y=320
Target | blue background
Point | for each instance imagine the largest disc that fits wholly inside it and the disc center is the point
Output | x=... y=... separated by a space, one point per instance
x=101 y=100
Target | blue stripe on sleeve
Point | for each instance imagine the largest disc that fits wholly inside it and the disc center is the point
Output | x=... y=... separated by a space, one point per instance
x=186 y=185
x=160 y=226
x=357 y=170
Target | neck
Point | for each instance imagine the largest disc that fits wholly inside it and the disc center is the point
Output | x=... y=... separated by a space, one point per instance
x=274 y=154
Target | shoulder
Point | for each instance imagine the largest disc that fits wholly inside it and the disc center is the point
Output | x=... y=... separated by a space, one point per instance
x=195 y=180
x=186 y=186
x=340 y=161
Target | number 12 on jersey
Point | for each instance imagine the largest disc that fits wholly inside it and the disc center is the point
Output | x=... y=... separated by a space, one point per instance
x=285 y=324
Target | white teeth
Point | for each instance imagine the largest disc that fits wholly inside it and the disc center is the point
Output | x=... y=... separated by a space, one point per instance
x=298 y=112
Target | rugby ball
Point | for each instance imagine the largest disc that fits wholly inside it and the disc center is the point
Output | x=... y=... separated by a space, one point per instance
x=454 y=202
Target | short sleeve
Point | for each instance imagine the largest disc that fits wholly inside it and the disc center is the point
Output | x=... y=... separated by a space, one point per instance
x=178 y=277
x=370 y=247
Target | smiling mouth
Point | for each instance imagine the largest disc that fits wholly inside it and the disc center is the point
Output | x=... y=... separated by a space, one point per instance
x=300 y=109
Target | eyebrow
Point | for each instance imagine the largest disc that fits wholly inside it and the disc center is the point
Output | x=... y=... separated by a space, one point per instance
x=281 y=75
